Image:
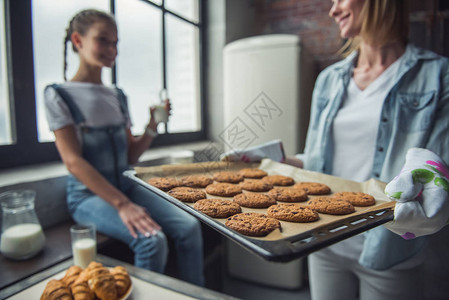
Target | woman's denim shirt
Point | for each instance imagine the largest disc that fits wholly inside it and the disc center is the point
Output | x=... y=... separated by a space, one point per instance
x=415 y=113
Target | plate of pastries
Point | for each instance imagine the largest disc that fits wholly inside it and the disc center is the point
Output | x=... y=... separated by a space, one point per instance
x=94 y=282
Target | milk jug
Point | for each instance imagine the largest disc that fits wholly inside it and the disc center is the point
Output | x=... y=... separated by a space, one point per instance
x=22 y=236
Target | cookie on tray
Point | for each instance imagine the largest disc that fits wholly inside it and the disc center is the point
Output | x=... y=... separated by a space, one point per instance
x=223 y=189
x=228 y=176
x=286 y=194
x=313 y=188
x=331 y=206
x=164 y=183
x=292 y=212
x=252 y=224
x=187 y=194
x=254 y=200
x=254 y=173
x=255 y=185
x=200 y=181
x=217 y=208
x=356 y=198
x=280 y=180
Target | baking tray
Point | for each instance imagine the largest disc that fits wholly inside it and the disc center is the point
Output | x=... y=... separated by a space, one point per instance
x=297 y=239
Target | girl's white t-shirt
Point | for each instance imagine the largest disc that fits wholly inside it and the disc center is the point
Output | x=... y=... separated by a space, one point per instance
x=354 y=135
x=98 y=104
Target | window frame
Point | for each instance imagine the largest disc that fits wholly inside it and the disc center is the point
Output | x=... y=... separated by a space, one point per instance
x=26 y=149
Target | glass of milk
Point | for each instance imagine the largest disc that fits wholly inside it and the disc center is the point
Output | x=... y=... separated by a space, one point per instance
x=22 y=235
x=160 y=113
x=84 y=244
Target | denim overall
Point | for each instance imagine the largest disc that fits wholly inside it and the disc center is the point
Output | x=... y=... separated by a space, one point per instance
x=105 y=148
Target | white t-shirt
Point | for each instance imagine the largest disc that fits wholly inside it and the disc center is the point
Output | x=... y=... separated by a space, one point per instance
x=354 y=135
x=98 y=104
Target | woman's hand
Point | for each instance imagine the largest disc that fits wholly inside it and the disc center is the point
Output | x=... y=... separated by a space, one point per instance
x=422 y=193
x=137 y=218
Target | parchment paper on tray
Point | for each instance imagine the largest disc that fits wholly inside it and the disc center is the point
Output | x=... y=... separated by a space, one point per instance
x=372 y=187
x=293 y=235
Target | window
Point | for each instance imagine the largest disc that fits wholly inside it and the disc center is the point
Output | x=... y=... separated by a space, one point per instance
x=159 y=48
x=5 y=115
x=140 y=64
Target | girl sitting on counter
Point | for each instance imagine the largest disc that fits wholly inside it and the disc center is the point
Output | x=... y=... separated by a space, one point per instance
x=91 y=124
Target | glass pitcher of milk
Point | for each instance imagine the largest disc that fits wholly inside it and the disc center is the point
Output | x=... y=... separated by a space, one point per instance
x=22 y=235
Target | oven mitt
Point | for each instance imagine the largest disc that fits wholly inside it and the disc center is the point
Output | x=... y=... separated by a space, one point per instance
x=272 y=150
x=422 y=193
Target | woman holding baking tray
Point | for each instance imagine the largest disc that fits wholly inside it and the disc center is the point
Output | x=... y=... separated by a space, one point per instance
x=368 y=110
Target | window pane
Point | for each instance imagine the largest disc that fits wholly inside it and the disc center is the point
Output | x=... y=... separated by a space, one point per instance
x=188 y=9
x=50 y=20
x=5 y=116
x=139 y=62
x=183 y=80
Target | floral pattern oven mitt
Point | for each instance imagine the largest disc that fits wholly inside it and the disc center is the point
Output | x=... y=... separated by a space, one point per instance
x=421 y=190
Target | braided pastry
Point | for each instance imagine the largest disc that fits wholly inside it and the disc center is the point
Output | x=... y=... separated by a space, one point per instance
x=122 y=280
x=56 y=290
x=71 y=275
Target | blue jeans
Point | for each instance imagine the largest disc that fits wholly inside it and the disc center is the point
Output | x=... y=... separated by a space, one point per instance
x=149 y=253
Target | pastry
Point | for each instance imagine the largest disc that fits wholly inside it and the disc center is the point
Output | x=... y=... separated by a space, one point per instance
x=252 y=173
x=255 y=185
x=122 y=280
x=313 y=188
x=71 y=275
x=328 y=205
x=217 y=208
x=223 y=189
x=292 y=212
x=254 y=200
x=102 y=283
x=280 y=180
x=56 y=290
x=356 y=198
x=81 y=290
x=288 y=194
x=187 y=194
x=252 y=224
x=228 y=176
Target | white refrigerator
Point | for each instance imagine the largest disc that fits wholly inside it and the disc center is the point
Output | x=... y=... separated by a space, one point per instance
x=268 y=82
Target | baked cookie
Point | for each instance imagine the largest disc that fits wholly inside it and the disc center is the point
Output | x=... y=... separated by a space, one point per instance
x=254 y=200
x=252 y=224
x=200 y=181
x=164 y=183
x=331 y=206
x=223 y=189
x=313 y=188
x=292 y=212
x=255 y=185
x=288 y=194
x=356 y=198
x=217 y=208
x=253 y=173
x=187 y=194
x=279 y=180
x=228 y=176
